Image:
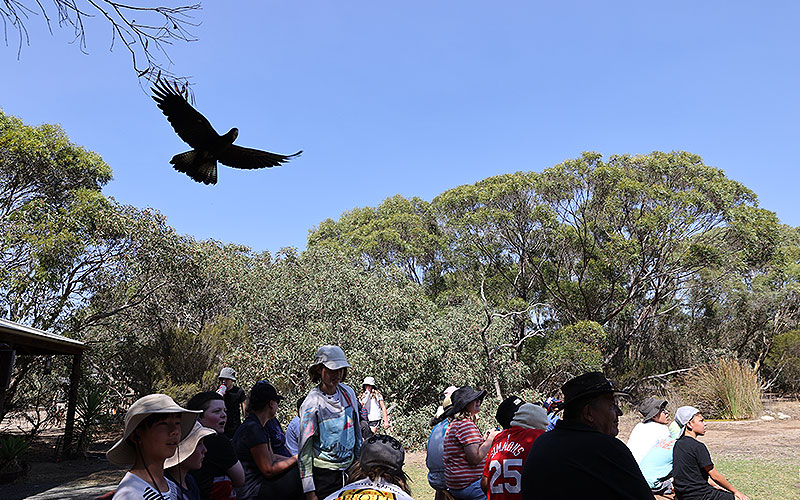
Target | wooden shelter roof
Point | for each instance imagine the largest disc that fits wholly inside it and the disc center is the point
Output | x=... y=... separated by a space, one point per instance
x=29 y=340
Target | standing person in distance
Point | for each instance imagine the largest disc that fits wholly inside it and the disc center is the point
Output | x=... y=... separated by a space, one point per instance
x=372 y=400
x=330 y=435
x=502 y=474
x=154 y=425
x=465 y=448
x=293 y=430
x=581 y=457
x=234 y=399
x=692 y=466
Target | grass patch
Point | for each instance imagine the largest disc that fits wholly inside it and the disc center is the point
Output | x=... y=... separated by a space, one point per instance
x=758 y=479
x=761 y=479
x=420 y=489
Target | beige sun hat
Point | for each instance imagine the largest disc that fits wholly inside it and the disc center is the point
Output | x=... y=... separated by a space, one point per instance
x=188 y=444
x=123 y=453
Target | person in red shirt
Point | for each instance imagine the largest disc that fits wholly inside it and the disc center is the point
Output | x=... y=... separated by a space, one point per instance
x=502 y=472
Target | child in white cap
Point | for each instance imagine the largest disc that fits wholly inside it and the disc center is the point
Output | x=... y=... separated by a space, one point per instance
x=692 y=465
x=188 y=456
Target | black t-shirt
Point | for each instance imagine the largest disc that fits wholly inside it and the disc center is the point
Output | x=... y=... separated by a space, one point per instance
x=251 y=433
x=576 y=461
x=689 y=461
x=234 y=397
x=214 y=473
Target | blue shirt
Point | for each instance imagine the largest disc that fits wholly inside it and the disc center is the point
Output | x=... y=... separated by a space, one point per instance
x=435 y=456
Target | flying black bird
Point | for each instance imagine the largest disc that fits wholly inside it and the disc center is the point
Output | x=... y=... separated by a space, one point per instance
x=208 y=146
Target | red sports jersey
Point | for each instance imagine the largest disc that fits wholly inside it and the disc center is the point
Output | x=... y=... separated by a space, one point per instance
x=503 y=469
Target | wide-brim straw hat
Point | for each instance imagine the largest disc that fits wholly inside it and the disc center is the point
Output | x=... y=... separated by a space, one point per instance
x=188 y=444
x=123 y=453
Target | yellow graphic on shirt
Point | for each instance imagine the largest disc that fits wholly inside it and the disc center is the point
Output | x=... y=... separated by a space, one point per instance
x=365 y=494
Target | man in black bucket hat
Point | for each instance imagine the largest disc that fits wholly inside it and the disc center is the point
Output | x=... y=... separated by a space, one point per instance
x=581 y=457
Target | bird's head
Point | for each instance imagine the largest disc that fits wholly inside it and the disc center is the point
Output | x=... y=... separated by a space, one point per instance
x=232 y=134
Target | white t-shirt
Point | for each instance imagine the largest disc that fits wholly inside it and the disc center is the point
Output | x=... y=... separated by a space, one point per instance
x=133 y=487
x=644 y=436
x=374 y=490
x=372 y=401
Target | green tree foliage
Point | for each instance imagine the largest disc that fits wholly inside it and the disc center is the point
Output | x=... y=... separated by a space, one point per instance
x=399 y=232
x=784 y=361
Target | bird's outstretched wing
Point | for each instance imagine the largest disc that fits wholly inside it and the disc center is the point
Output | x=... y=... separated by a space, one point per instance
x=190 y=125
x=239 y=157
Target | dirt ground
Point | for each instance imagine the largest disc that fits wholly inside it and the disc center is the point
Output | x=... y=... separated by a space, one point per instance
x=86 y=478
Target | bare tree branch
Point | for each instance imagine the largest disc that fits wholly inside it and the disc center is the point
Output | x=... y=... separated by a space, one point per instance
x=145 y=38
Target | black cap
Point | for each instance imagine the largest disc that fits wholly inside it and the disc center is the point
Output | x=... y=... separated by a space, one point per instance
x=507 y=409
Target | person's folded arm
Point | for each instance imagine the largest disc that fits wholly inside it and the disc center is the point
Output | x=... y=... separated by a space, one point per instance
x=269 y=464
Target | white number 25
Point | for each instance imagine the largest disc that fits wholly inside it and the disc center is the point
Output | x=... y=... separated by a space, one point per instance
x=505 y=472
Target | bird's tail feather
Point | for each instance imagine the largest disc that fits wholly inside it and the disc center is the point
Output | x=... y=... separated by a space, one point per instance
x=197 y=166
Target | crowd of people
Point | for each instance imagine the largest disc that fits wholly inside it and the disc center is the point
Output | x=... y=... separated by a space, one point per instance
x=333 y=449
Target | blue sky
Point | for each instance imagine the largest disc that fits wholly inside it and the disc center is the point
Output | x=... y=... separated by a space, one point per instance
x=418 y=97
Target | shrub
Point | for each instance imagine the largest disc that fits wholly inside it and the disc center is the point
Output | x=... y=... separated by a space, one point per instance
x=728 y=389
x=11 y=447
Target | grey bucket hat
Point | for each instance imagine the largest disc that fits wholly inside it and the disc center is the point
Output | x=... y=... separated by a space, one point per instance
x=331 y=357
x=123 y=453
x=228 y=372
x=651 y=407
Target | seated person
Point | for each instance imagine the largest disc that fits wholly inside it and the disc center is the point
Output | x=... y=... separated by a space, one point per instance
x=378 y=473
x=503 y=468
x=434 y=458
x=656 y=466
x=652 y=428
x=221 y=471
x=188 y=456
x=293 y=431
x=553 y=406
x=154 y=425
x=267 y=475
x=465 y=449
x=692 y=466
x=581 y=457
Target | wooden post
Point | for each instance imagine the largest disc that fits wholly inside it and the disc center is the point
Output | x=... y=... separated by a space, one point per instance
x=74 y=380
x=6 y=366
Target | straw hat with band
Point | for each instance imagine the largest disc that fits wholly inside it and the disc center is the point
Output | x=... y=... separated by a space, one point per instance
x=123 y=452
x=188 y=444
x=583 y=387
x=462 y=397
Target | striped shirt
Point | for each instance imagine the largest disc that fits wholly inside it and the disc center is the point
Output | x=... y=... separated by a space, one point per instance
x=458 y=473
